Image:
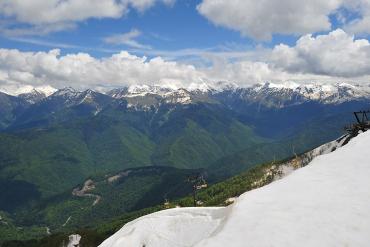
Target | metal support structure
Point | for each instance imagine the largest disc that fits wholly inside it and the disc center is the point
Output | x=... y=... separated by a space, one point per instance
x=361 y=117
x=363 y=122
x=198 y=182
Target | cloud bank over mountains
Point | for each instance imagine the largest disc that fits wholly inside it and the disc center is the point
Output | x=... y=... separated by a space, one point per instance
x=332 y=56
x=335 y=54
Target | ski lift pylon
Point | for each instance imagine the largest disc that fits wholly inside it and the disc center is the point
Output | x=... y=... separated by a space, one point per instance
x=198 y=183
x=363 y=122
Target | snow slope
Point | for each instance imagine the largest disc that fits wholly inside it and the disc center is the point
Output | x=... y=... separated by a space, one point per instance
x=323 y=204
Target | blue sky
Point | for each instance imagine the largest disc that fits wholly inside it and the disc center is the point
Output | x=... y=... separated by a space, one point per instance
x=163 y=28
x=242 y=41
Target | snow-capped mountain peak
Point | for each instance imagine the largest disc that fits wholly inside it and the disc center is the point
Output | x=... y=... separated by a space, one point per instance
x=139 y=91
x=275 y=95
x=322 y=92
x=181 y=96
x=145 y=96
x=33 y=97
x=145 y=89
x=87 y=96
x=66 y=92
x=118 y=93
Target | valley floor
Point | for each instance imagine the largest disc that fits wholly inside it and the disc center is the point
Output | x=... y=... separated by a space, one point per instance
x=323 y=204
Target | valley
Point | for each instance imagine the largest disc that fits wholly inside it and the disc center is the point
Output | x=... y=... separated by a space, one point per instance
x=219 y=194
x=86 y=155
x=169 y=123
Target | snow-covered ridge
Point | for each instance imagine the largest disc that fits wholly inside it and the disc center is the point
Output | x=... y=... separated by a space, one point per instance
x=313 y=90
x=326 y=93
x=267 y=94
x=322 y=204
x=45 y=89
x=33 y=97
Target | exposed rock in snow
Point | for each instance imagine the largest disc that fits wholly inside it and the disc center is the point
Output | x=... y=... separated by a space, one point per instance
x=33 y=97
x=290 y=93
x=326 y=203
x=66 y=92
x=139 y=91
x=268 y=94
x=325 y=93
x=144 y=97
x=147 y=97
x=181 y=96
x=328 y=93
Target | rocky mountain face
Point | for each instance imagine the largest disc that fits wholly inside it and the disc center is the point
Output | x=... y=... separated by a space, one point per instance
x=10 y=108
x=146 y=97
x=268 y=94
x=33 y=97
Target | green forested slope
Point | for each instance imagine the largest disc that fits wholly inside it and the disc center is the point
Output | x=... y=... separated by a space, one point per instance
x=57 y=157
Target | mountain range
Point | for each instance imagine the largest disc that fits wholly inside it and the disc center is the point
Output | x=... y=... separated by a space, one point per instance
x=37 y=107
x=81 y=132
x=51 y=144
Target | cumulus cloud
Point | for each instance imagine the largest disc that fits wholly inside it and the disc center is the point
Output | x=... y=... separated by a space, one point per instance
x=84 y=71
x=334 y=57
x=261 y=19
x=361 y=24
x=334 y=54
x=55 y=15
x=23 y=70
x=54 y=11
x=128 y=39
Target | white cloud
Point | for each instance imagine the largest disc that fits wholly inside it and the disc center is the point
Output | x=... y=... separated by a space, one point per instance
x=361 y=24
x=142 y=5
x=261 y=19
x=128 y=39
x=43 y=43
x=54 y=11
x=55 y=15
x=82 y=71
x=335 y=57
x=19 y=69
x=334 y=54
